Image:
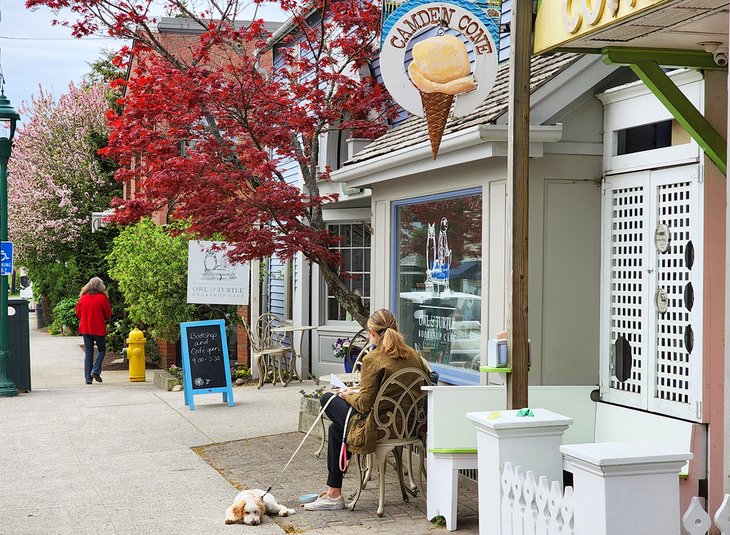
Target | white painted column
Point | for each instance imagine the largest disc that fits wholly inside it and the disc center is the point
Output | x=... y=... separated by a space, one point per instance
x=625 y=487
x=532 y=442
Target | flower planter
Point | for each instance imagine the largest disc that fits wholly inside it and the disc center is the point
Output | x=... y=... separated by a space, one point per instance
x=308 y=411
x=164 y=379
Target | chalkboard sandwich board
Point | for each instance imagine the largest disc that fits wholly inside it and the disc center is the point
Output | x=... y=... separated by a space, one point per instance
x=205 y=360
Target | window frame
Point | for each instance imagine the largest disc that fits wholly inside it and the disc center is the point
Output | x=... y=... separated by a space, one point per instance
x=447 y=374
x=325 y=293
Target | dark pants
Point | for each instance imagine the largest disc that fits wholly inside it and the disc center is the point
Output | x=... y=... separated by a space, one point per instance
x=91 y=365
x=337 y=412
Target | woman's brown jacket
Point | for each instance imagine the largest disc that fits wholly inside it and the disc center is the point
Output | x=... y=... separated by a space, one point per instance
x=377 y=367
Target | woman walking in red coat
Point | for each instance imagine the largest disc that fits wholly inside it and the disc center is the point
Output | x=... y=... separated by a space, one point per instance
x=93 y=310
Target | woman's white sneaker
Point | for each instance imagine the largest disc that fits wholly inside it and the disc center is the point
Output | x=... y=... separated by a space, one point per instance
x=325 y=503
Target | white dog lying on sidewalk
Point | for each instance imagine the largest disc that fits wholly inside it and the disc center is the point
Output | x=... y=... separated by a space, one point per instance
x=250 y=505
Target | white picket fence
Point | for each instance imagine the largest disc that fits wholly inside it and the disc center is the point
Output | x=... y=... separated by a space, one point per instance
x=532 y=507
x=696 y=521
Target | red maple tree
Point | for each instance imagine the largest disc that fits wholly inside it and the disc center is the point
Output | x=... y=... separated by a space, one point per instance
x=240 y=123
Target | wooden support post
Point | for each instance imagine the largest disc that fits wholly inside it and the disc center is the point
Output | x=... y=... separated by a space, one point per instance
x=518 y=143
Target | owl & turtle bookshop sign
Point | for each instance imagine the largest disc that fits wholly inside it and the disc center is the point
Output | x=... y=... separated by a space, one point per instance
x=435 y=54
x=213 y=278
x=206 y=369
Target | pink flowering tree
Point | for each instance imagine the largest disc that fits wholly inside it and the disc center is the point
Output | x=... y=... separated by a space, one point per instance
x=55 y=180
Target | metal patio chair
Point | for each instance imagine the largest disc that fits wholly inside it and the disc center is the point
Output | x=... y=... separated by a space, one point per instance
x=268 y=351
x=403 y=403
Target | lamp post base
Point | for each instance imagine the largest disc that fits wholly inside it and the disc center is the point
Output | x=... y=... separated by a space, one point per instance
x=8 y=391
x=7 y=386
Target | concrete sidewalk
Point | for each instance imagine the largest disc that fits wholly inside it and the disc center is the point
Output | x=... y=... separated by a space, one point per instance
x=116 y=458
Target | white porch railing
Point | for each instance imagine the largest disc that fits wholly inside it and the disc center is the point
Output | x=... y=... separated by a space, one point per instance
x=696 y=521
x=531 y=507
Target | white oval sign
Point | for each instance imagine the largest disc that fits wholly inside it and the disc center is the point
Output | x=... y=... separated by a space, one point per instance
x=458 y=17
x=662 y=237
x=662 y=300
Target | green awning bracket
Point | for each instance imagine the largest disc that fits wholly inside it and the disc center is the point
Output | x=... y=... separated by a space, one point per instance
x=645 y=64
x=692 y=59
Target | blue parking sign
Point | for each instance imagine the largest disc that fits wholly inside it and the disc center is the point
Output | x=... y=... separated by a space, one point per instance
x=6 y=258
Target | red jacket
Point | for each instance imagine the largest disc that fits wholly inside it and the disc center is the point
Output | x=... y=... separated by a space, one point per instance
x=94 y=311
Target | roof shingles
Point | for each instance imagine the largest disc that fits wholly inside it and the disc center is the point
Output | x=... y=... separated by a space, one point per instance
x=414 y=130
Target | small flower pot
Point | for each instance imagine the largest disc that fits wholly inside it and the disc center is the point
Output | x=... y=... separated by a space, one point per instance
x=349 y=361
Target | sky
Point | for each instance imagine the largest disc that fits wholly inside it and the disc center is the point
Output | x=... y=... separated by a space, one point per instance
x=34 y=52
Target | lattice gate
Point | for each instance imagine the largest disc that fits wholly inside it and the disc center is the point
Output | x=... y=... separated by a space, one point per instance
x=651 y=298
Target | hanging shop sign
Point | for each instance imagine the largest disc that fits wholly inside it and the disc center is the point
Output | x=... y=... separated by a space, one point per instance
x=213 y=278
x=435 y=54
x=491 y=8
x=559 y=22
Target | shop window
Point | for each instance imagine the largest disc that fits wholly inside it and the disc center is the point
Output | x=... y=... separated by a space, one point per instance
x=650 y=137
x=437 y=293
x=354 y=247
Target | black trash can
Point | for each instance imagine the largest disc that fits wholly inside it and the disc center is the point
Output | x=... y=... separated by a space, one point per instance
x=19 y=342
x=39 y=315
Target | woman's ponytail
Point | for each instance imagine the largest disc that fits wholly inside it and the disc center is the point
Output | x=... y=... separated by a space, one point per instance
x=391 y=341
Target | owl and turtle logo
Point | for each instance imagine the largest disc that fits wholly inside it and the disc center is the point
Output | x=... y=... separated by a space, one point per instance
x=216 y=266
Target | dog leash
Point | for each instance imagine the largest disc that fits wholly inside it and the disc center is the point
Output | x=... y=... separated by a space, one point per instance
x=343 y=448
x=301 y=444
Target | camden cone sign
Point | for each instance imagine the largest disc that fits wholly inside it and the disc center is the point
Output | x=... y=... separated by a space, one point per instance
x=438 y=54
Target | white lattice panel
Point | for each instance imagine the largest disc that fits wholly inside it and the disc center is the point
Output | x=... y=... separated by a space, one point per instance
x=531 y=506
x=673 y=276
x=676 y=374
x=627 y=280
x=653 y=291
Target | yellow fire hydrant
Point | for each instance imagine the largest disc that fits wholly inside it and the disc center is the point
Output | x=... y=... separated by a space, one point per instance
x=135 y=354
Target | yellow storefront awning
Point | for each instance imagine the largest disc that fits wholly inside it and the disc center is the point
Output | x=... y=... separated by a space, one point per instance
x=560 y=22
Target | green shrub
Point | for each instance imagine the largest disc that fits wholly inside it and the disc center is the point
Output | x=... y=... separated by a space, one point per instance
x=151 y=353
x=63 y=278
x=117 y=332
x=241 y=373
x=64 y=313
x=150 y=267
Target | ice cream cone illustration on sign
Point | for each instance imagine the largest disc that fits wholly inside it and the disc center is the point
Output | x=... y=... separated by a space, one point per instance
x=440 y=69
x=456 y=66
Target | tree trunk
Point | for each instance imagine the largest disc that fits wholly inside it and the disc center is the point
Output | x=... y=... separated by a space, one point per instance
x=351 y=301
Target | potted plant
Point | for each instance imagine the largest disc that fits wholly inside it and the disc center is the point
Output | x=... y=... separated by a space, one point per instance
x=345 y=350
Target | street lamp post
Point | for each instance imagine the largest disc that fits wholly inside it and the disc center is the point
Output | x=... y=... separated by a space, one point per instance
x=8 y=118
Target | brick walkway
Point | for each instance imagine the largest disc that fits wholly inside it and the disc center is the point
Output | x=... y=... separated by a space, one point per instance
x=255 y=463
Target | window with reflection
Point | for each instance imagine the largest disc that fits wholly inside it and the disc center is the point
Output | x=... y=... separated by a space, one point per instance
x=439 y=270
x=354 y=247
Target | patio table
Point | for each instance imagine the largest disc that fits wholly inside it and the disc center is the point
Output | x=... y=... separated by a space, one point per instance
x=350 y=379
x=296 y=350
